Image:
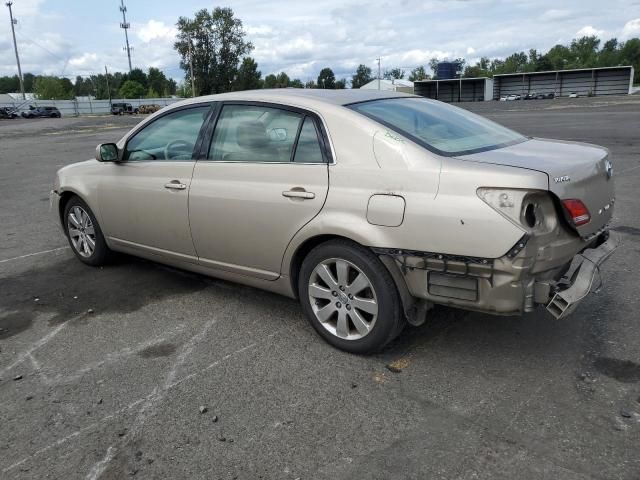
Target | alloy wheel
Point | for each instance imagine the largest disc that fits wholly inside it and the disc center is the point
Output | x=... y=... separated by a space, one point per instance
x=81 y=231
x=343 y=299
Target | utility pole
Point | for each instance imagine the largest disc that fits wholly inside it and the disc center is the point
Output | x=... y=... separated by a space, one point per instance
x=15 y=47
x=125 y=26
x=106 y=74
x=378 y=60
x=193 y=88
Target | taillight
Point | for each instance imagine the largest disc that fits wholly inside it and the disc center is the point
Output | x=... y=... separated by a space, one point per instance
x=577 y=210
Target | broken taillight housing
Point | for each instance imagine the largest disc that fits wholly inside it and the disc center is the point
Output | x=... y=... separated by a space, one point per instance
x=578 y=212
x=531 y=210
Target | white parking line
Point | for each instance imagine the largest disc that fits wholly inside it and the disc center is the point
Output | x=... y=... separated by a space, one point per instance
x=33 y=254
x=35 y=346
x=99 y=467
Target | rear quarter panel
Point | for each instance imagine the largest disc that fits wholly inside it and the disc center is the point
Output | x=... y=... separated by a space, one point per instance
x=443 y=213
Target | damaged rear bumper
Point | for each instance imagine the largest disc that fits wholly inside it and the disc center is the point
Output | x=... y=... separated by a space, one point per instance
x=535 y=272
x=578 y=282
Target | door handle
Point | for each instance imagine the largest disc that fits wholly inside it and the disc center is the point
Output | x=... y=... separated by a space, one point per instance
x=303 y=194
x=175 y=185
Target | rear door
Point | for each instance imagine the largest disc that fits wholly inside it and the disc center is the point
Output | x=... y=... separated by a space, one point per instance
x=144 y=198
x=265 y=176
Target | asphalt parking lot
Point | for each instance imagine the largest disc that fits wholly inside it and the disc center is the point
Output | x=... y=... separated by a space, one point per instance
x=103 y=371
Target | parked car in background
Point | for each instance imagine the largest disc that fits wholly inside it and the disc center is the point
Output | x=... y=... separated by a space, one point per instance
x=531 y=96
x=122 y=108
x=513 y=97
x=8 y=112
x=41 y=112
x=543 y=96
x=369 y=207
x=573 y=95
x=149 y=108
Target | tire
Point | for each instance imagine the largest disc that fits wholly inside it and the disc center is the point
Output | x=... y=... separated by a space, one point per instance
x=372 y=314
x=89 y=232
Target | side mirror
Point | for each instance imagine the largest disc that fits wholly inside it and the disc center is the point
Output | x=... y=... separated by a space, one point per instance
x=107 y=152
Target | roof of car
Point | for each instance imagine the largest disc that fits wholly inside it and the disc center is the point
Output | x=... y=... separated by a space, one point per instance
x=302 y=96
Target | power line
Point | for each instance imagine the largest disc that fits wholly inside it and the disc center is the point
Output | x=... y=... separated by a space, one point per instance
x=15 y=47
x=125 y=26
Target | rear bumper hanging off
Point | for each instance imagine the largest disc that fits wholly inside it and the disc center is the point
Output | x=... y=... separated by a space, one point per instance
x=580 y=278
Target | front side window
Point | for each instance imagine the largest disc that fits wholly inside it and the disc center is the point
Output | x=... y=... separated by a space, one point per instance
x=440 y=127
x=170 y=137
x=251 y=133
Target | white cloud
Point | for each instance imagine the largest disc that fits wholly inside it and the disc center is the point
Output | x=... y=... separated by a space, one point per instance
x=555 y=14
x=259 y=31
x=631 y=29
x=300 y=38
x=84 y=60
x=155 y=30
x=589 y=31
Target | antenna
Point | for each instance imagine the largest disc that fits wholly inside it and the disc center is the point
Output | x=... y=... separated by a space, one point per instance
x=125 y=26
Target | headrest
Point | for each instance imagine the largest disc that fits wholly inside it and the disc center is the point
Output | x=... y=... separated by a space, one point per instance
x=252 y=134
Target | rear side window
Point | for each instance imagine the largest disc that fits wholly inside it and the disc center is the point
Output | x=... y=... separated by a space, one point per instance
x=439 y=127
x=248 y=133
x=308 y=149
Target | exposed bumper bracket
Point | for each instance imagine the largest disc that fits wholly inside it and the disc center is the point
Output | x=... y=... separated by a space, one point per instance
x=581 y=278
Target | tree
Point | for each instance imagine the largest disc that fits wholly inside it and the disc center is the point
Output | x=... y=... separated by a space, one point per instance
x=282 y=80
x=341 y=84
x=326 y=79
x=218 y=44
x=28 y=79
x=131 y=89
x=361 y=77
x=52 y=88
x=9 y=84
x=630 y=55
x=156 y=82
x=138 y=76
x=418 y=73
x=83 y=87
x=585 y=51
x=249 y=77
x=270 y=81
x=296 y=83
x=394 y=73
x=433 y=65
x=310 y=84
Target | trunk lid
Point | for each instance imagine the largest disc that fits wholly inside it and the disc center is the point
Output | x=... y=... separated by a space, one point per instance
x=574 y=170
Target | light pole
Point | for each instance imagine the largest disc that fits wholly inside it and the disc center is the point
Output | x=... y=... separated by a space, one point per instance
x=193 y=88
x=15 y=47
x=378 y=59
x=125 y=26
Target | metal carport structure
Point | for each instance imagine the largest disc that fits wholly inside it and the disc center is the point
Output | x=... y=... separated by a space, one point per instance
x=583 y=81
x=456 y=89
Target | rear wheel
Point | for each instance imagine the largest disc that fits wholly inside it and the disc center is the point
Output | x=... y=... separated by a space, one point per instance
x=349 y=297
x=84 y=234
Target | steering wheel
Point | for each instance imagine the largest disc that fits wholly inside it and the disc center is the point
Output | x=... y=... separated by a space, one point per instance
x=178 y=150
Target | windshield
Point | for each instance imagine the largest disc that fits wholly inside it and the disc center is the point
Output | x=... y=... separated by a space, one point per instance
x=439 y=127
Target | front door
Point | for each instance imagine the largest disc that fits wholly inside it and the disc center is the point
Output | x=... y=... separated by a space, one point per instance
x=265 y=177
x=144 y=198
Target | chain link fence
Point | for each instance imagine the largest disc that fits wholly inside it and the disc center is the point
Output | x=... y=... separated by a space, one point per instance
x=87 y=106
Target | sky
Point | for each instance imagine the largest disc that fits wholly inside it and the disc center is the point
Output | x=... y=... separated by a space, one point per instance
x=80 y=37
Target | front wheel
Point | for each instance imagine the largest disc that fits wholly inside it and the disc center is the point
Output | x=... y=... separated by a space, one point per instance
x=84 y=234
x=349 y=297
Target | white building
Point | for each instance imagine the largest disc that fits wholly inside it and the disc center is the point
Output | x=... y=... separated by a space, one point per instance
x=394 y=85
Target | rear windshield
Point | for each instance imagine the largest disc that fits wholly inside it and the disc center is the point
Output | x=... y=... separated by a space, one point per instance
x=439 y=127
